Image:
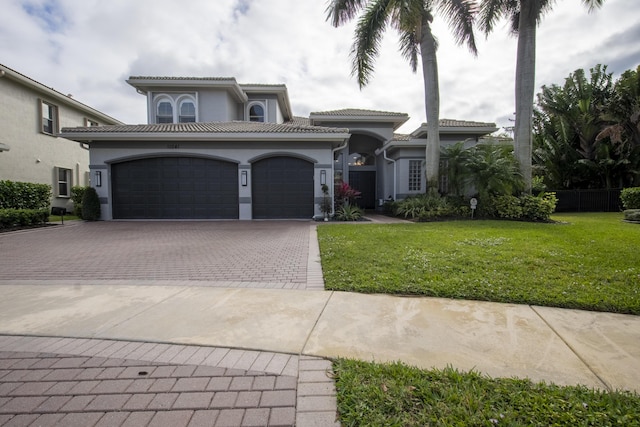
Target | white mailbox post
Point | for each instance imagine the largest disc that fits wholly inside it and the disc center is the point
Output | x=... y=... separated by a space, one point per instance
x=474 y=205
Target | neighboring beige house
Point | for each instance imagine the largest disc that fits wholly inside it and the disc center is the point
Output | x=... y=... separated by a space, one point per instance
x=217 y=149
x=31 y=116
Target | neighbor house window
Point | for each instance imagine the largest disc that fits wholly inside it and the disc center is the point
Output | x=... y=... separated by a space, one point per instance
x=415 y=175
x=256 y=113
x=90 y=123
x=63 y=184
x=49 y=118
x=187 y=112
x=164 y=112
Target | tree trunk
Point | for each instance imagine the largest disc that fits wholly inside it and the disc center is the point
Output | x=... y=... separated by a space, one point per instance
x=525 y=87
x=431 y=101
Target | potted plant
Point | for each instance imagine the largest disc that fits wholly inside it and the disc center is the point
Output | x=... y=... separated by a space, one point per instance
x=326 y=205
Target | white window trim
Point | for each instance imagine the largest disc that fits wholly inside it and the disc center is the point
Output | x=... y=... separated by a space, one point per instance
x=179 y=102
x=55 y=120
x=156 y=103
x=421 y=175
x=261 y=103
x=69 y=181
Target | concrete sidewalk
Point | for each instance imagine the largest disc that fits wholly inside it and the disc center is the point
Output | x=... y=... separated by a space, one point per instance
x=600 y=350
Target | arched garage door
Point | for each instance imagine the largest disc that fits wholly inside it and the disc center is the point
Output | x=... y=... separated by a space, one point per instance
x=282 y=188
x=175 y=188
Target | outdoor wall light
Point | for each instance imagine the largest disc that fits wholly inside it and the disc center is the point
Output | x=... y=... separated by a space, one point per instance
x=243 y=178
x=98 y=179
x=323 y=177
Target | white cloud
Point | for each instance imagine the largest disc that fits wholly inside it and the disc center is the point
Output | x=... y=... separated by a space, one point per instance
x=90 y=48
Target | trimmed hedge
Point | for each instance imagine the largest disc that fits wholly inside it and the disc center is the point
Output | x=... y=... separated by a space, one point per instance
x=77 y=193
x=90 y=205
x=630 y=198
x=22 y=217
x=24 y=195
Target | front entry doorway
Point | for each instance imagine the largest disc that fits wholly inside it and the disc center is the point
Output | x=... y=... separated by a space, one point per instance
x=365 y=182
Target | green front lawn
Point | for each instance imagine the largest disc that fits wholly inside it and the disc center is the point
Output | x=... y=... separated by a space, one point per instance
x=394 y=394
x=584 y=261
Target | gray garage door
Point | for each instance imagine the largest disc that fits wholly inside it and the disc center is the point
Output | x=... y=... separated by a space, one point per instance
x=175 y=188
x=282 y=188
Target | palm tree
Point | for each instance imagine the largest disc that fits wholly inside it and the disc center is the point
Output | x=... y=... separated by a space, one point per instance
x=524 y=16
x=412 y=19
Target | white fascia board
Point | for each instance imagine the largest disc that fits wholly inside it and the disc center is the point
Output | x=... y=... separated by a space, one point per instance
x=279 y=90
x=147 y=85
x=53 y=94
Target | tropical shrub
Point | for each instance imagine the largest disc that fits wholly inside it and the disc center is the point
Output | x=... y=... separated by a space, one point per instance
x=539 y=208
x=22 y=217
x=90 y=205
x=24 y=195
x=630 y=198
x=77 y=192
x=348 y=212
x=425 y=206
x=509 y=207
x=345 y=194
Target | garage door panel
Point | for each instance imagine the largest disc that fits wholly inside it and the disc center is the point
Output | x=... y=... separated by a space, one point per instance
x=282 y=188
x=175 y=188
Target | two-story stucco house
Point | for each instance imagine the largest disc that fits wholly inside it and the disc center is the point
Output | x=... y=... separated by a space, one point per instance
x=217 y=149
x=31 y=116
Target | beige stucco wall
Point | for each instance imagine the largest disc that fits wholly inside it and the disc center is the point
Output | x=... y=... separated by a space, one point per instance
x=33 y=156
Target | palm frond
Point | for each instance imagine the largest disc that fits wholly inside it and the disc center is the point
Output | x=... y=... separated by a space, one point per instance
x=490 y=13
x=368 y=35
x=460 y=15
x=593 y=4
x=340 y=12
x=410 y=48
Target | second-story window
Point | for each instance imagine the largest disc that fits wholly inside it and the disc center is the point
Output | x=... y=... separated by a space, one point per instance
x=187 y=112
x=256 y=113
x=164 y=113
x=49 y=118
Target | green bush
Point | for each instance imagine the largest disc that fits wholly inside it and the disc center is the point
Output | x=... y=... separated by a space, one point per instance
x=22 y=217
x=539 y=208
x=24 y=195
x=348 y=212
x=632 y=215
x=77 y=193
x=509 y=207
x=630 y=198
x=424 y=207
x=90 y=205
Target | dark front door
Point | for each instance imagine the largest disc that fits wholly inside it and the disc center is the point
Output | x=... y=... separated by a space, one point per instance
x=282 y=187
x=365 y=183
x=175 y=188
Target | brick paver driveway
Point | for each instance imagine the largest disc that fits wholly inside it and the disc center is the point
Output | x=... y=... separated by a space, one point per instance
x=225 y=253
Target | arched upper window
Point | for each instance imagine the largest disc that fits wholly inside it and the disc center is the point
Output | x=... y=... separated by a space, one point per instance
x=256 y=113
x=164 y=111
x=187 y=111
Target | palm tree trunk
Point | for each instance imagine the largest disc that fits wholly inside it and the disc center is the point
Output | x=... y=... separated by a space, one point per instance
x=431 y=101
x=525 y=87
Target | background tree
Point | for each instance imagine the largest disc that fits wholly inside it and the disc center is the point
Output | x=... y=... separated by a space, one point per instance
x=493 y=170
x=524 y=16
x=586 y=131
x=412 y=19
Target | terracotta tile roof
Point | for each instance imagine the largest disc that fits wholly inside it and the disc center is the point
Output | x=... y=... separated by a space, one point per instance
x=347 y=112
x=216 y=127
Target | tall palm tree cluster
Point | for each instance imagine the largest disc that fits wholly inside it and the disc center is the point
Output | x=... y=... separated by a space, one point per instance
x=587 y=131
x=412 y=19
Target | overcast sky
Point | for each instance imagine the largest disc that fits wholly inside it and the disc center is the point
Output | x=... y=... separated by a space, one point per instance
x=88 y=48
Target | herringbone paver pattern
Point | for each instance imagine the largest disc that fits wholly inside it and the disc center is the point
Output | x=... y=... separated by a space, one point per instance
x=270 y=254
x=69 y=382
